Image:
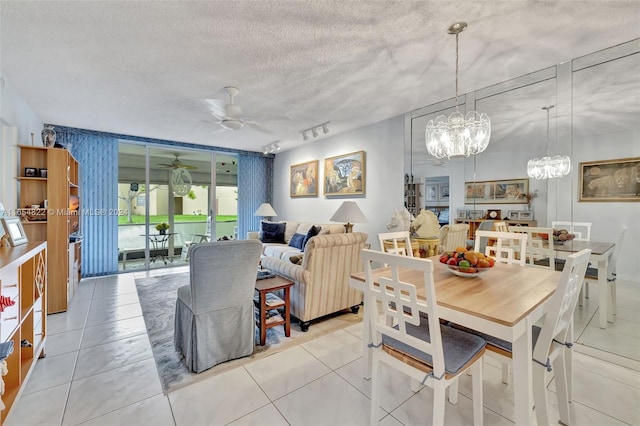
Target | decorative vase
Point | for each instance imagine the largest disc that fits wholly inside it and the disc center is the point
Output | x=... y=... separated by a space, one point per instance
x=163 y=232
x=48 y=136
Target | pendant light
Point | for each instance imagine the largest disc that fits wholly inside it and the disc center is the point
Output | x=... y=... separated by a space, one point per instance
x=549 y=167
x=457 y=134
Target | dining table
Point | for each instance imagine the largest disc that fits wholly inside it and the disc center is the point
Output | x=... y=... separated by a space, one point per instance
x=504 y=302
x=600 y=258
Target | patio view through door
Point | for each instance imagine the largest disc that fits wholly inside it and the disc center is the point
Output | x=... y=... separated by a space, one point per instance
x=165 y=195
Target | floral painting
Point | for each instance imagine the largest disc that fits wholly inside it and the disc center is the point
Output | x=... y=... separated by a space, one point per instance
x=304 y=179
x=345 y=174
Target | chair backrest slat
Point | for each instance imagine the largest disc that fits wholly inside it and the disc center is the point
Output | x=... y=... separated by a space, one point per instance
x=401 y=241
x=538 y=245
x=505 y=246
x=395 y=299
x=559 y=310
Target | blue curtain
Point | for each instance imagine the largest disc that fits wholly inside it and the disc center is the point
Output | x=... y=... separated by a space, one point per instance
x=97 y=153
x=98 y=159
x=255 y=186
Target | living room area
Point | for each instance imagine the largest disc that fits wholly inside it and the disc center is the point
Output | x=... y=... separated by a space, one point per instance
x=304 y=117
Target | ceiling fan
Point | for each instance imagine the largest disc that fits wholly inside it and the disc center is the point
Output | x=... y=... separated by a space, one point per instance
x=180 y=177
x=177 y=164
x=229 y=116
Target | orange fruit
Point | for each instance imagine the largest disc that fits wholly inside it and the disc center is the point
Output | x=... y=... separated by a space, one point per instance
x=461 y=250
x=483 y=263
x=472 y=257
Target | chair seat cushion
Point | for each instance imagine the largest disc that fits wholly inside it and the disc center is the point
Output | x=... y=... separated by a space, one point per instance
x=494 y=341
x=458 y=346
x=281 y=251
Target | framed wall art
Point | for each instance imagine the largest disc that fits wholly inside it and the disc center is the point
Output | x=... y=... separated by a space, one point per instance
x=610 y=180
x=431 y=192
x=13 y=227
x=444 y=192
x=511 y=191
x=303 y=179
x=345 y=174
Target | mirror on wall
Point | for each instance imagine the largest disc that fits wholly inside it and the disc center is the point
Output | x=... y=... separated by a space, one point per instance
x=596 y=117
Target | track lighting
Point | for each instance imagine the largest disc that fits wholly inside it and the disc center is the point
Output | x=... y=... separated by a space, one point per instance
x=315 y=130
x=271 y=148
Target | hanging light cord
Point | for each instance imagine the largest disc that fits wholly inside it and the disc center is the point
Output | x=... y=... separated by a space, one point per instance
x=457 y=34
x=548 y=118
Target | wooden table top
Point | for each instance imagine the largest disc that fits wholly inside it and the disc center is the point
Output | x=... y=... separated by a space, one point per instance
x=504 y=295
x=275 y=283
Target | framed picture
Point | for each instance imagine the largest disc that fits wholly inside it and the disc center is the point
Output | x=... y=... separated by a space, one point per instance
x=303 y=179
x=444 y=192
x=462 y=213
x=610 y=180
x=345 y=174
x=476 y=214
x=30 y=172
x=513 y=215
x=511 y=191
x=13 y=227
x=43 y=173
x=431 y=192
x=525 y=215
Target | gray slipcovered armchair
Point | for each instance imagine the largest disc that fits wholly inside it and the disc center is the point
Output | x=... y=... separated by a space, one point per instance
x=214 y=314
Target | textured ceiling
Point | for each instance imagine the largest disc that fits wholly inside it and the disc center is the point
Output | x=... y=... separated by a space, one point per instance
x=144 y=68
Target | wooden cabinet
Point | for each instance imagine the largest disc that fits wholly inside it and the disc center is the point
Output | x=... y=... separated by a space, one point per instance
x=23 y=279
x=413 y=197
x=475 y=223
x=59 y=188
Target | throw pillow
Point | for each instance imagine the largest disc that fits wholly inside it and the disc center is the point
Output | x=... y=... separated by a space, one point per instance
x=272 y=232
x=313 y=231
x=297 y=240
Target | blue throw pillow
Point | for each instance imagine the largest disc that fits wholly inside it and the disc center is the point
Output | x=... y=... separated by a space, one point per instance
x=315 y=230
x=272 y=232
x=297 y=240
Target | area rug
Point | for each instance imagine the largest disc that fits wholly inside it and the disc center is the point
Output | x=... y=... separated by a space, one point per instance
x=158 y=301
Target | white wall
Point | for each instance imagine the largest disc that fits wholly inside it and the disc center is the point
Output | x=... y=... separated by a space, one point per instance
x=383 y=144
x=18 y=121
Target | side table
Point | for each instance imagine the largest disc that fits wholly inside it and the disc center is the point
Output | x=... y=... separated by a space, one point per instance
x=264 y=304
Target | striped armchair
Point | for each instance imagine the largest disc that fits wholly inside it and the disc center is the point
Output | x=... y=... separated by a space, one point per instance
x=322 y=281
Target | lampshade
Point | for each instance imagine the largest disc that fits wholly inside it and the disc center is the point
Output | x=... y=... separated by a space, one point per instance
x=349 y=212
x=549 y=167
x=265 y=209
x=458 y=134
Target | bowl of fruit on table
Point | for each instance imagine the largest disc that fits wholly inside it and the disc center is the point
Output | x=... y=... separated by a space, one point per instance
x=560 y=236
x=466 y=263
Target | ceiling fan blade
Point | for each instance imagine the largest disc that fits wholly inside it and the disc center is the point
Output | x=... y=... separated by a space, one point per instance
x=188 y=167
x=165 y=165
x=258 y=127
x=216 y=107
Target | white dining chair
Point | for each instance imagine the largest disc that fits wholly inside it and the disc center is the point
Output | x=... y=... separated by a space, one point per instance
x=505 y=246
x=592 y=276
x=419 y=347
x=401 y=241
x=500 y=226
x=552 y=341
x=581 y=230
x=540 y=252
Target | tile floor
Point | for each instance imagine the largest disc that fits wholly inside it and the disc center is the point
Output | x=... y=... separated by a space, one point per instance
x=99 y=370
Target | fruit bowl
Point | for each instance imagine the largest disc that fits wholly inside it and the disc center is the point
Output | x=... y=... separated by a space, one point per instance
x=465 y=263
x=467 y=272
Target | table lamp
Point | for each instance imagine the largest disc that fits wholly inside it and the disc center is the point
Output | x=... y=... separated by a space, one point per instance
x=349 y=212
x=265 y=210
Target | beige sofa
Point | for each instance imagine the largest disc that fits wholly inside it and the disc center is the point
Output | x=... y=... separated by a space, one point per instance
x=322 y=281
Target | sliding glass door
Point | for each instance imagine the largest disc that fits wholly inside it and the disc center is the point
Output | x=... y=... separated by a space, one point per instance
x=171 y=201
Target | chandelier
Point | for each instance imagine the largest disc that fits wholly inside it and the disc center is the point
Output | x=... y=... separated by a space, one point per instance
x=549 y=167
x=458 y=134
x=181 y=182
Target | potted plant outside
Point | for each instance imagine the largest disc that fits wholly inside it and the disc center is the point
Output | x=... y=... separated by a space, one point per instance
x=162 y=228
